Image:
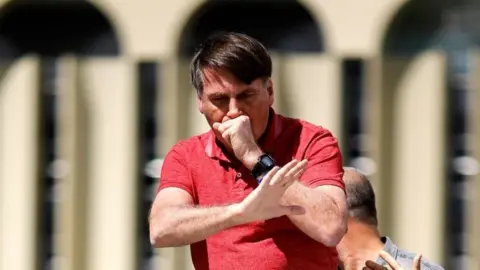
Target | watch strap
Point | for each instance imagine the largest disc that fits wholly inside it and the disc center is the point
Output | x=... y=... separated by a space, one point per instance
x=264 y=164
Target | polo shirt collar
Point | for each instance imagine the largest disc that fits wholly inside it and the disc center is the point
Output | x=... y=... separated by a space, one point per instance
x=215 y=149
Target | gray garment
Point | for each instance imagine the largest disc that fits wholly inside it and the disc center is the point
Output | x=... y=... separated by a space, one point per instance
x=404 y=258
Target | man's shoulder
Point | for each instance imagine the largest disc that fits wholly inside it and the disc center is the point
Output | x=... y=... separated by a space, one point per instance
x=191 y=144
x=405 y=258
x=304 y=127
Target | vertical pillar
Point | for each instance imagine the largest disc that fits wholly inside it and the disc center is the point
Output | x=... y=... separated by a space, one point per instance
x=282 y=104
x=19 y=159
x=109 y=86
x=474 y=193
x=384 y=74
x=373 y=127
x=73 y=118
x=312 y=85
x=418 y=173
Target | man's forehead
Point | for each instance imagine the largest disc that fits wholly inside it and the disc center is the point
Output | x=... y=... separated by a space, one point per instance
x=222 y=80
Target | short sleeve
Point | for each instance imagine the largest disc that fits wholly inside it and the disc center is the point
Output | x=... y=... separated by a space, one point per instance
x=324 y=162
x=175 y=172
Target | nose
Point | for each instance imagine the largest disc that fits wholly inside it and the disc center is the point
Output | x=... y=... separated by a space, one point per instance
x=234 y=109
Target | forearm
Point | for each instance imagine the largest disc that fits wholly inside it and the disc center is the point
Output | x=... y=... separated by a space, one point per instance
x=325 y=220
x=184 y=225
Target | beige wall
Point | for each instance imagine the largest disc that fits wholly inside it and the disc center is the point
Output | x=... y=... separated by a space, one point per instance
x=474 y=206
x=347 y=31
x=19 y=164
x=405 y=103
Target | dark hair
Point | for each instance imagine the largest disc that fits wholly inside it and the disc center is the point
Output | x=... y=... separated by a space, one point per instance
x=361 y=199
x=243 y=56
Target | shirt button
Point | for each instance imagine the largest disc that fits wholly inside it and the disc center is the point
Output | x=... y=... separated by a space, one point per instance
x=239 y=175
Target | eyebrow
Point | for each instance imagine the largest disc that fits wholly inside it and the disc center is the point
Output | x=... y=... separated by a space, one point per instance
x=223 y=95
x=217 y=95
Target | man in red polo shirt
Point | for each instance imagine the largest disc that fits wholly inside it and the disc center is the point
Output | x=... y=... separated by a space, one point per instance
x=259 y=191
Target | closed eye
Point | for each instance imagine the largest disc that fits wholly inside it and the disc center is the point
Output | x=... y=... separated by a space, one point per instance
x=246 y=95
x=219 y=98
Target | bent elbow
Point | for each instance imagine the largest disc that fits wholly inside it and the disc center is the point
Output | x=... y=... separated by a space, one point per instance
x=158 y=238
x=337 y=231
x=161 y=237
x=335 y=238
x=335 y=235
x=160 y=234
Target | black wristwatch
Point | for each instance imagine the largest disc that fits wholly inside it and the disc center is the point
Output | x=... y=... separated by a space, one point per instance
x=264 y=164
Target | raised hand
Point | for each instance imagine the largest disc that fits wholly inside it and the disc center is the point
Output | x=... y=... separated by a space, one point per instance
x=392 y=263
x=264 y=202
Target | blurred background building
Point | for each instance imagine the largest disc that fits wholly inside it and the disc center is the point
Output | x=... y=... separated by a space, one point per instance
x=94 y=93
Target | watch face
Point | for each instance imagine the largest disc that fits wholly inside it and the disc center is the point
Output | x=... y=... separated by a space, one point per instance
x=267 y=161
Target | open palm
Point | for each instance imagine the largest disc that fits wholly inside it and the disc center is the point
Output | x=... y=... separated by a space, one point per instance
x=264 y=202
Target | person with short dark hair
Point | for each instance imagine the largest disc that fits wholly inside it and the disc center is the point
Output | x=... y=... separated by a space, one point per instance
x=362 y=247
x=259 y=190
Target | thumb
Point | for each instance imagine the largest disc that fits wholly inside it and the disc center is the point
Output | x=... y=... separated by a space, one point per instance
x=294 y=210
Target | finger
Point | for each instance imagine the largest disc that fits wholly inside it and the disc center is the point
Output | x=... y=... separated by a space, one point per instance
x=289 y=179
x=293 y=210
x=243 y=117
x=416 y=262
x=390 y=260
x=298 y=167
x=281 y=173
x=287 y=182
x=266 y=180
x=226 y=136
x=373 y=265
x=299 y=174
x=229 y=122
x=220 y=127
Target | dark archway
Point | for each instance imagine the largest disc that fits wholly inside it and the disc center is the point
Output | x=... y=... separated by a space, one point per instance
x=420 y=25
x=413 y=28
x=54 y=28
x=285 y=26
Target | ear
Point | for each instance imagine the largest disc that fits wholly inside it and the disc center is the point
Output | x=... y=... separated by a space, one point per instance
x=271 y=96
x=200 y=104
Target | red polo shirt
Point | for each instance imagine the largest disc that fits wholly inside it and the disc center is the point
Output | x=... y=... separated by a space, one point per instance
x=199 y=166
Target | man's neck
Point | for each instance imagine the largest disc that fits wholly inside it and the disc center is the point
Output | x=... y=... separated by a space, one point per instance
x=362 y=243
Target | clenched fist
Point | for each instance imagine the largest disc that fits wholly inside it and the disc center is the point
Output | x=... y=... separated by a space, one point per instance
x=237 y=134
